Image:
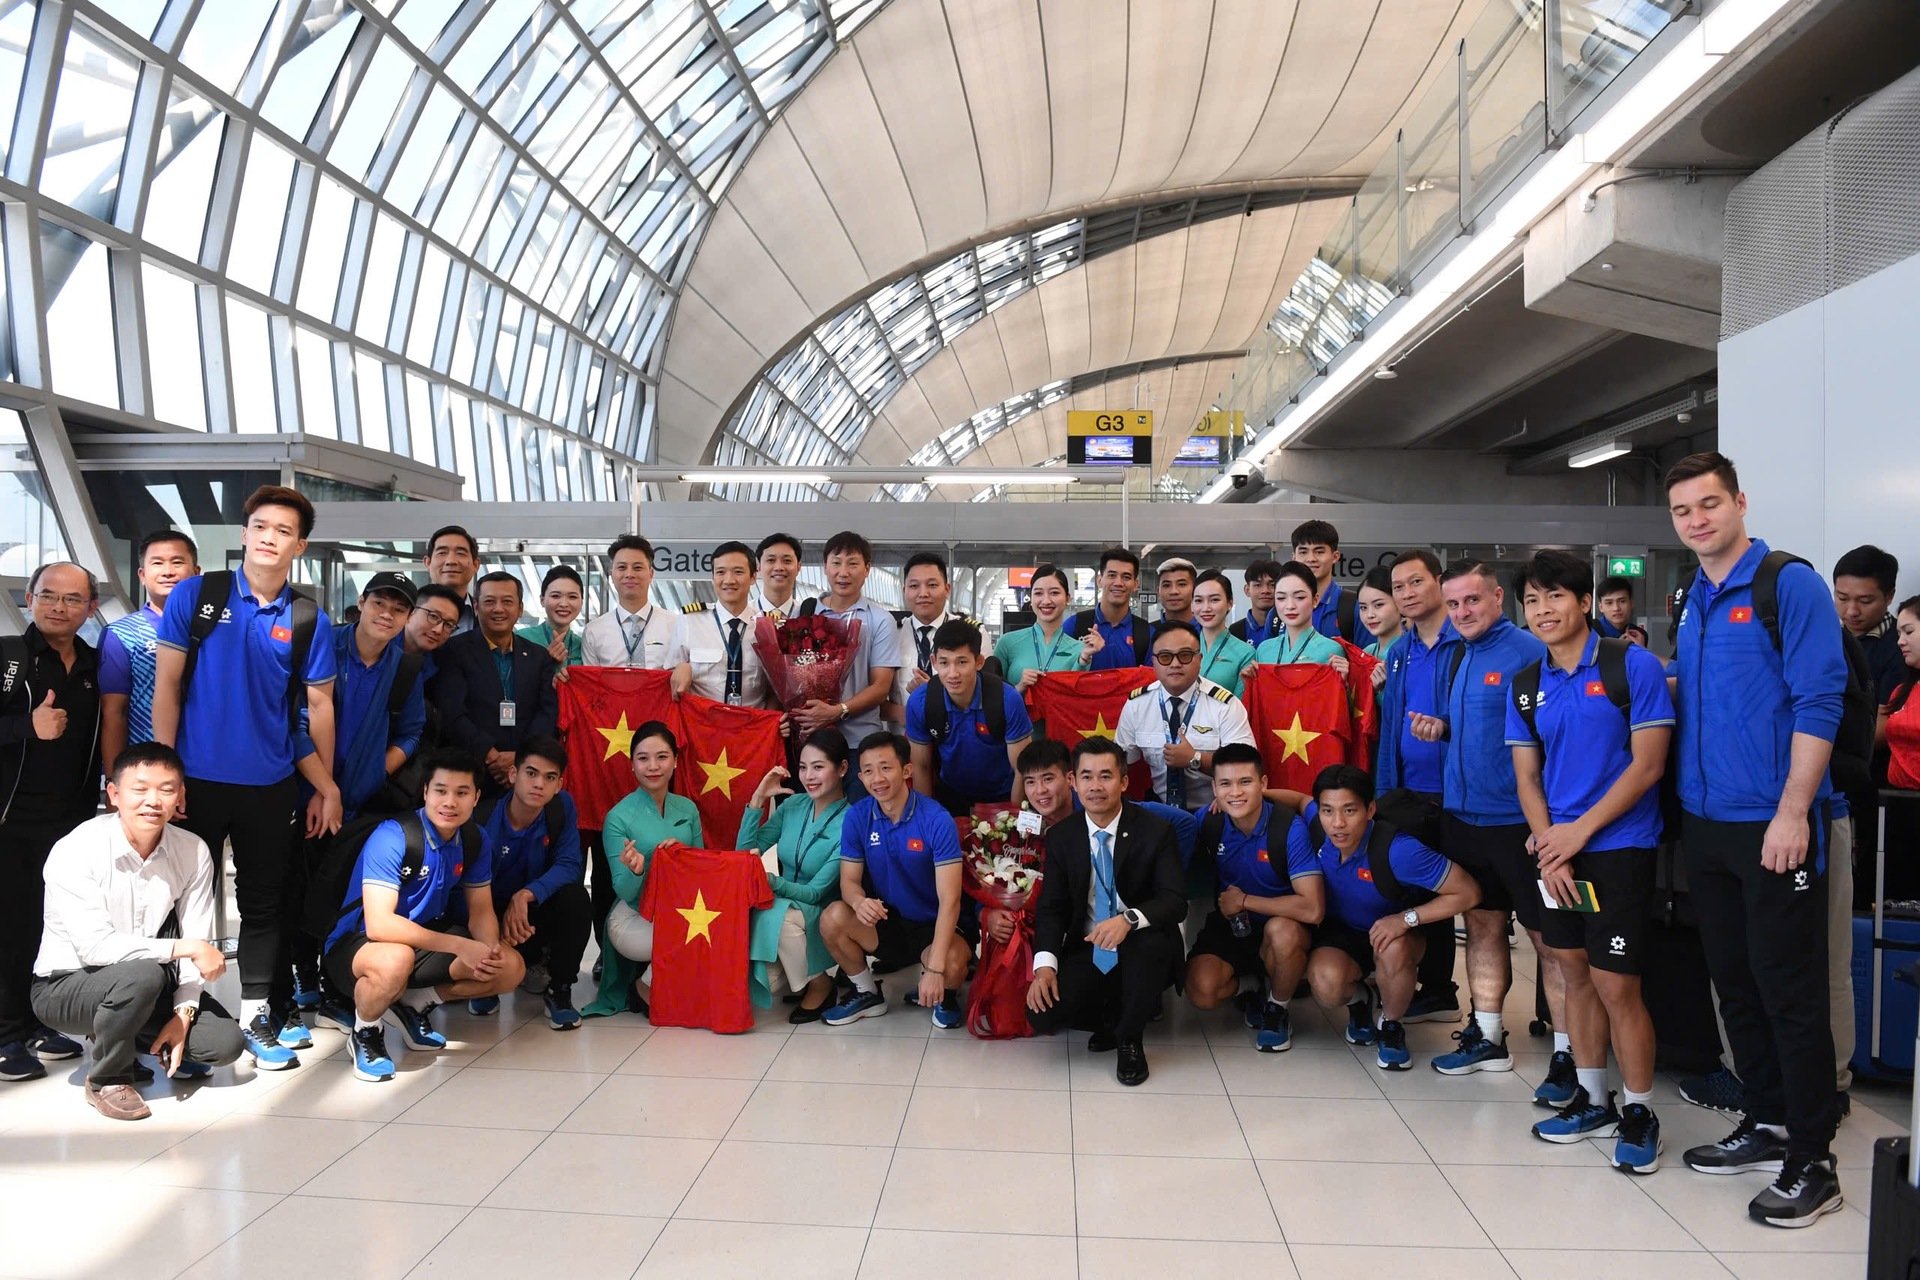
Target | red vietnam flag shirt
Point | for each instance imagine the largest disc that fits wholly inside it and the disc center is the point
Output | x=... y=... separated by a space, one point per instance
x=1301 y=720
x=700 y=902
x=1069 y=706
x=600 y=707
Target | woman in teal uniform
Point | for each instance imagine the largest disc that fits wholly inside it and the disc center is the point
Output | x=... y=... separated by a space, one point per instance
x=1224 y=657
x=806 y=828
x=1293 y=596
x=1044 y=646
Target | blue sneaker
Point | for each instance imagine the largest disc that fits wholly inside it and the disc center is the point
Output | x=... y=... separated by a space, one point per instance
x=1430 y=1007
x=483 y=1006
x=1720 y=1091
x=1636 y=1146
x=1476 y=1053
x=948 y=1014
x=561 y=1015
x=293 y=1033
x=17 y=1064
x=1556 y=1091
x=1580 y=1119
x=1275 y=1033
x=1360 y=1022
x=262 y=1042
x=416 y=1030
x=861 y=1004
x=49 y=1045
x=370 y=1058
x=334 y=1010
x=1249 y=1004
x=306 y=988
x=1392 y=1045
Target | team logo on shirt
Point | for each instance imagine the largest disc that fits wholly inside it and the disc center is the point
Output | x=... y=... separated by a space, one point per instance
x=916 y=845
x=1492 y=677
x=1596 y=689
x=980 y=729
x=458 y=867
x=1742 y=614
x=1262 y=856
x=1526 y=700
x=1365 y=873
x=873 y=837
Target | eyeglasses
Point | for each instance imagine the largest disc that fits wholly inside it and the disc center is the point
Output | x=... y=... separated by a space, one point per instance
x=50 y=599
x=436 y=620
x=1176 y=657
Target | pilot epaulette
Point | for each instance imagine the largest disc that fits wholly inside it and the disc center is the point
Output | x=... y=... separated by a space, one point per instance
x=695 y=608
x=1220 y=694
x=1144 y=690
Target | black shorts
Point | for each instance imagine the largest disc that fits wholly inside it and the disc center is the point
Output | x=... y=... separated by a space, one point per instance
x=1614 y=937
x=1498 y=860
x=900 y=942
x=430 y=968
x=1216 y=938
x=1343 y=937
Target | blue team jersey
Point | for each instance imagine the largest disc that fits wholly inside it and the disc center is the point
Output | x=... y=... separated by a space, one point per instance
x=1246 y=862
x=424 y=898
x=236 y=726
x=1117 y=642
x=1587 y=743
x=1326 y=617
x=900 y=856
x=1413 y=684
x=127 y=660
x=1478 y=786
x=1351 y=897
x=973 y=762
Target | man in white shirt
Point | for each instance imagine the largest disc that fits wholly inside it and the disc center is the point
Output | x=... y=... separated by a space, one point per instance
x=712 y=651
x=124 y=957
x=777 y=596
x=1175 y=725
x=636 y=632
x=925 y=587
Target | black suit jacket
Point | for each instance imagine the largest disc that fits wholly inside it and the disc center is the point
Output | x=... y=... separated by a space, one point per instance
x=466 y=691
x=1146 y=874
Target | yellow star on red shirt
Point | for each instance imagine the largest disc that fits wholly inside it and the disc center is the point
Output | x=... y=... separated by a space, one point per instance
x=619 y=738
x=1297 y=740
x=720 y=775
x=1100 y=729
x=699 y=919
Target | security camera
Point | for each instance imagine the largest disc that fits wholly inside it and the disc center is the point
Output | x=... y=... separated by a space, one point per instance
x=1683 y=417
x=1241 y=479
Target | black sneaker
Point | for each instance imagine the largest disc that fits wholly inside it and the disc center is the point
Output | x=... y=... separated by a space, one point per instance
x=1806 y=1190
x=1557 y=1090
x=1719 y=1091
x=1748 y=1149
x=1441 y=1006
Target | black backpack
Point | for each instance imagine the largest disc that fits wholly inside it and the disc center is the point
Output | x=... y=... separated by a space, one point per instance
x=13 y=664
x=215 y=587
x=1346 y=612
x=1085 y=620
x=1852 y=763
x=1213 y=829
x=554 y=814
x=993 y=706
x=332 y=874
x=1379 y=863
x=1610 y=656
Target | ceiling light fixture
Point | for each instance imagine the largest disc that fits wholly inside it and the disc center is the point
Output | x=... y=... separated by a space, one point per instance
x=1002 y=477
x=755 y=475
x=1386 y=373
x=1604 y=453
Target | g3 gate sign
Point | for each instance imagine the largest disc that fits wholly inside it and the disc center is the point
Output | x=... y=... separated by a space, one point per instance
x=1109 y=422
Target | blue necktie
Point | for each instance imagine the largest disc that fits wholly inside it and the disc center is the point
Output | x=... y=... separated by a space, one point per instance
x=1176 y=778
x=1106 y=903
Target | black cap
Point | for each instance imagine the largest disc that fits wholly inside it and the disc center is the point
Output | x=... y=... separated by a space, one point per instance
x=398 y=583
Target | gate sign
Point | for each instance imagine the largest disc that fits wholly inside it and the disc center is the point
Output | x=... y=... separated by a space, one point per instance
x=1096 y=423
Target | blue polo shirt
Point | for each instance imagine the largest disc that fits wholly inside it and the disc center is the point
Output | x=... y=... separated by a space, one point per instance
x=423 y=898
x=361 y=729
x=972 y=761
x=235 y=727
x=900 y=856
x=1326 y=617
x=525 y=859
x=1117 y=642
x=1479 y=787
x=1587 y=743
x=1351 y=898
x=1246 y=862
x=1414 y=669
x=1262 y=629
x=127 y=666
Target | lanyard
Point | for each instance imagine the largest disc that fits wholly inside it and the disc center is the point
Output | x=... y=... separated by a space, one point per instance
x=1287 y=658
x=639 y=636
x=1193 y=700
x=1208 y=653
x=1053 y=650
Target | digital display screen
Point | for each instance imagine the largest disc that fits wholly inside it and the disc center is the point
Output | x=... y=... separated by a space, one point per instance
x=1199 y=451
x=1110 y=449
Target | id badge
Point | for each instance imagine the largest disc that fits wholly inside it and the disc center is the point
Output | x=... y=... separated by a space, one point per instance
x=509 y=715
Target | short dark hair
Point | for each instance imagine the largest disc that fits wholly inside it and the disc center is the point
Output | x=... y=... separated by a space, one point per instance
x=1042 y=754
x=1380 y=578
x=1098 y=745
x=1417 y=555
x=1344 y=777
x=1315 y=531
x=630 y=542
x=562 y=573
x=1214 y=575
x=449 y=760
x=1910 y=605
x=653 y=729
x=1870 y=562
x=1258 y=569
x=777 y=540
x=160 y=537
x=439 y=591
x=453 y=531
x=1552 y=570
x=93 y=583
x=1611 y=586
x=278 y=495
x=847 y=541
x=544 y=746
x=499 y=575
x=735 y=547
x=1167 y=626
x=1121 y=554
x=1467 y=567
x=922 y=559
x=829 y=742
x=1695 y=465
x=881 y=740
x=1238 y=753
x=1055 y=572
x=956 y=634
x=139 y=753
x=1294 y=569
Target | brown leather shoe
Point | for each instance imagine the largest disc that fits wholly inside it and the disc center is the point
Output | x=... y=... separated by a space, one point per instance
x=118 y=1102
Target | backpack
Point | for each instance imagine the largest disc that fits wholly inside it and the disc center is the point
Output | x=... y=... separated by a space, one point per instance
x=215 y=587
x=1213 y=829
x=13 y=664
x=1379 y=863
x=332 y=874
x=1085 y=620
x=1347 y=616
x=554 y=814
x=993 y=706
x=1610 y=655
x=1852 y=762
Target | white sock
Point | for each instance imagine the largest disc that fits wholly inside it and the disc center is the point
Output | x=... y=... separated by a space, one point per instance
x=863 y=981
x=1562 y=1042
x=361 y=1024
x=1278 y=1004
x=1491 y=1025
x=1630 y=1097
x=421 y=1000
x=1594 y=1081
x=251 y=1009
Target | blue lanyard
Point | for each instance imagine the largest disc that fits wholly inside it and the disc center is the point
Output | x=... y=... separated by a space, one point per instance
x=1193 y=700
x=1053 y=650
x=1285 y=657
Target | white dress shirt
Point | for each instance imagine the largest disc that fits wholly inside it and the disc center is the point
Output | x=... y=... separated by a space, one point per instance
x=1213 y=717
x=605 y=642
x=105 y=902
x=757 y=600
x=700 y=640
x=908 y=631
x=1046 y=959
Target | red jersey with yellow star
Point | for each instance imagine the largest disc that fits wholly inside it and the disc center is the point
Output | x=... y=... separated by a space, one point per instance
x=1302 y=720
x=700 y=902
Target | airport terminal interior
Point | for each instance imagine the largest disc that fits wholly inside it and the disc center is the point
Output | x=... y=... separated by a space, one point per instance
x=1015 y=284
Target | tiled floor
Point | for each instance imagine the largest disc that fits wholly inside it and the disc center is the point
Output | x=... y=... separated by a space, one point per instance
x=880 y=1149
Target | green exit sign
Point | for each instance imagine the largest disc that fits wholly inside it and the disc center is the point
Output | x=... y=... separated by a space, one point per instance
x=1627 y=567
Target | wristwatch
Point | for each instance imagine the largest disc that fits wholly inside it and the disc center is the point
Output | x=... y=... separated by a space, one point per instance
x=844 y=713
x=187 y=1011
x=1412 y=918
x=1133 y=918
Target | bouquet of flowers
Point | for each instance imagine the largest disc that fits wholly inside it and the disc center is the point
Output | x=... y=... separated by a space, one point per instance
x=1002 y=869
x=805 y=658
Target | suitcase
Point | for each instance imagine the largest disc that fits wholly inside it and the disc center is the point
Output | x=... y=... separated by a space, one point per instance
x=1675 y=983
x=1886 y=1010
x=1893 y=1232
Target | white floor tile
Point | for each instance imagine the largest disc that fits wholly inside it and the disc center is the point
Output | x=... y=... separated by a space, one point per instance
x=255 y=1153
x=1031 y=1193
x=483 y=1098
x=1304 y=1129
x=1111 y=1259
x=52 y=1234
x=702 y=1250
x=598 y=1173
x=963 y=1062
x=989 y=1120
x=1611 y=1264
x=1153 y=1197
x=946 y=1255
x=1795 y=1266
x=661 y=1107
x=1540 y=1208
x=516 y=1242
x=684 y=1051
x=1116 y=1124
x=1321 y=1202
x=849 y=1060
x=790 y=1182
x=307 y=1236
x=1714 y=1211
x=1463 y=1132
x=425 y=1164
x=328 y=1090
x=1369 y=1262
x=1171 y=1068
x=804 y=1111
x=597 y=1046
x=1301 y=1072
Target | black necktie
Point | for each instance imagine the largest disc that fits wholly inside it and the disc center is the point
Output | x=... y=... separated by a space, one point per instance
x=926 y=649
x=734 y=656
x=1176 y=778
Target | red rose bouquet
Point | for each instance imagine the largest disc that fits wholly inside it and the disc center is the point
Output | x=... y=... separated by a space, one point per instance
x=1002 y=870
x=805 y=658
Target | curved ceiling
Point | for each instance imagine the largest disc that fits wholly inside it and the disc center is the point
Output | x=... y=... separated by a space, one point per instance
x=944 y=120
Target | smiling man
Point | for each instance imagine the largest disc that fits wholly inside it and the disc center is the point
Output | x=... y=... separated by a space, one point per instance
x=636 y=632
x=453 y=558
x=967 y=728
x=129 y=647
x=493 y=688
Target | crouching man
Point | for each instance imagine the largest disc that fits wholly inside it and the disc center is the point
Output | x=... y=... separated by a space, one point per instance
x=394 y=938
x=124 y=957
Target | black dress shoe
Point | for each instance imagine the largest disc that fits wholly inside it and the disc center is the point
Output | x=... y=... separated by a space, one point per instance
x=1131 y=1067
x=1101 y=1042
